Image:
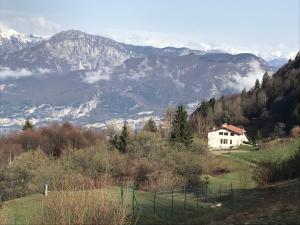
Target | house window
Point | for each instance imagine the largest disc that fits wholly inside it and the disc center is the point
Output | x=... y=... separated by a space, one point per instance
x=231 y=134
x=224 y=141
x=231 y=142
x=226 y=133
x=220 y=133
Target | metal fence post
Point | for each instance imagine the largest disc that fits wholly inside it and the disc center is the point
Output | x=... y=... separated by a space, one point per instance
x=299 y=194
x=231 y=188
x=184 y=206
x=122 y=195
x=207 y=193
x=132 y=200
x=197 y=193
x=172 y=201
x=220 y=192
x=154 y=201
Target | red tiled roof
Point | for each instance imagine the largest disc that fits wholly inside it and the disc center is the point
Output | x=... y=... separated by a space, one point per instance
x=231 y=128
x=234 y=129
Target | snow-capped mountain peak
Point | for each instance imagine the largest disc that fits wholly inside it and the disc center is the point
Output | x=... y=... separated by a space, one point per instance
x=10 y=34
x=12 y=41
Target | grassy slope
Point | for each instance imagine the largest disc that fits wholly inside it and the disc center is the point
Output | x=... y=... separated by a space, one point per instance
x=277 y=203
x=274 y=151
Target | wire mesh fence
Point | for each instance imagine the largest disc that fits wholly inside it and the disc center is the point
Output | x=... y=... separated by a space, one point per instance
x=176 y=204
x=176 y=201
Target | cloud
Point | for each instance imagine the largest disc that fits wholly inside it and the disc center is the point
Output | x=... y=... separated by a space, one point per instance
x=38 y=25
x=95 y=76
x=160 y=40
x=247 y=81
x=28 y=24
x=3 y=27
x=6 y=73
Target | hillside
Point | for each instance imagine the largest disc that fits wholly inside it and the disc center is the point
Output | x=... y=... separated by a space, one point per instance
x=272 y=204
x=269 y=109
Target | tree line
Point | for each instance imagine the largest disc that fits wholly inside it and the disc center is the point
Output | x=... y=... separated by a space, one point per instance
x=269 y=109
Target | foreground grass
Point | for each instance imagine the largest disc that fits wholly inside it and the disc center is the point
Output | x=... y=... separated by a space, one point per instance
x=276 y=204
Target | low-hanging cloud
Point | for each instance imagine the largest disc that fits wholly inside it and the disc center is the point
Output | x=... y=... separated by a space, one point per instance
x=92 y=77
x=6 y=72
x=248 y=80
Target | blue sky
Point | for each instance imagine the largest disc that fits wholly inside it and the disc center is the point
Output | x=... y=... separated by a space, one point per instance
x=269 y=28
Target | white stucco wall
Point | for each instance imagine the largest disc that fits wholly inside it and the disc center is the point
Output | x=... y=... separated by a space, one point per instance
x=214 y=139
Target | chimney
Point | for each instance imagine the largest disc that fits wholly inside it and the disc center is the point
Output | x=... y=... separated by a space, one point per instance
x=224 y=124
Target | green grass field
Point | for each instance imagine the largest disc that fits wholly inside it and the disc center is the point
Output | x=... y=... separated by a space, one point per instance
x=258 y=206
x=274 y=151
x=276 y=204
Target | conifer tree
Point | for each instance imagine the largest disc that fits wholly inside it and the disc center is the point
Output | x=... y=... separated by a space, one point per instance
x=257 y=84
x=150 y=126
x=265 y=81
x=181 y=129
x=244 y=93
x=123 y=139
x=27 y=125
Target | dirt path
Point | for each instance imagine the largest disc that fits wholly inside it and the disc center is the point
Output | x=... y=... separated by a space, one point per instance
x=221 y=152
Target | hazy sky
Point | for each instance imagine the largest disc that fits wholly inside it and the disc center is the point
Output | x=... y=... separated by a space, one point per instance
x=268 y=28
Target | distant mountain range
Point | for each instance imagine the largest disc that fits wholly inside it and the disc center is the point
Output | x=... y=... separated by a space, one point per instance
x=277 y=62
x=91 y=80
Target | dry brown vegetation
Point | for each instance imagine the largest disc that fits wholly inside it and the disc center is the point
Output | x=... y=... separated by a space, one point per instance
x=64 y=155
x=295 y=132
x=53 y=140
x=83 y=207
x=3 y=219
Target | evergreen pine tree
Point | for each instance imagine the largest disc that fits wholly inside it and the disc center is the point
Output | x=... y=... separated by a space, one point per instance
x=244 y=93
x=181 y=129
x=257 y=84
x=123 y=139
x=27 y=125
x=150 y=126
x=265 y=81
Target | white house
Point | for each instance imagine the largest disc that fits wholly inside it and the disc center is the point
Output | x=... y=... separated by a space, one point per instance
x=226 y=137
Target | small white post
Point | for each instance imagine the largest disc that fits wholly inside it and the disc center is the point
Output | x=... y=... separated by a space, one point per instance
x=46 y=190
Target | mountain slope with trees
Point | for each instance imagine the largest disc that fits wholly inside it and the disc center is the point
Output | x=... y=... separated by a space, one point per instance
x=269 y=109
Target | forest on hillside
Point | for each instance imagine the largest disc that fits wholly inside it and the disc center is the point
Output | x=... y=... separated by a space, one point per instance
x=270 y=109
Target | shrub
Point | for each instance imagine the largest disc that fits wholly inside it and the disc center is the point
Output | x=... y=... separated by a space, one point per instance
x=145 y=144
x=8 y=152
x=199 y=145
x=16 y=180
x=3 y=219
x=186 y=165
x=83 y=207
x=271 y=171
x=263 y=173
x=295 y=132
x=54 y=139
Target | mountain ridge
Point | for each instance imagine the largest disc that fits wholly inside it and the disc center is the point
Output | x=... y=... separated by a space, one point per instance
x=87 y=79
